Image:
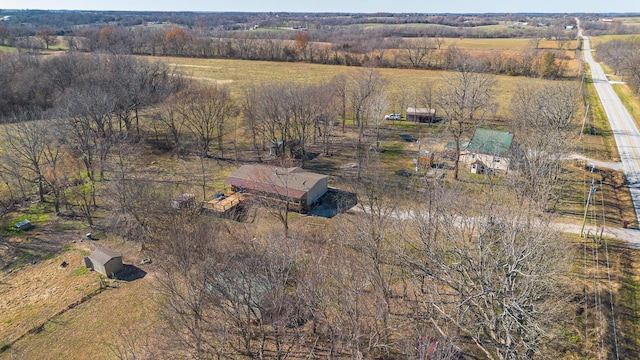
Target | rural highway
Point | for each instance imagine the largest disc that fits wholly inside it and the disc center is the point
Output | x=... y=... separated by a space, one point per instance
x=624 y=129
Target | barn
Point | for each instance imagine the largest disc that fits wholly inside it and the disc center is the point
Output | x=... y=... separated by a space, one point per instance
x=106 y=262
x=293 y=184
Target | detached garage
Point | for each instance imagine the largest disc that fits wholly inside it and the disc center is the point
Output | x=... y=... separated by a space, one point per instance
x=105 y=261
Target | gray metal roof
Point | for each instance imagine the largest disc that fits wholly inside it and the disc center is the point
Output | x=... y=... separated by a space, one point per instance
x=103 y=255
x=293 y=182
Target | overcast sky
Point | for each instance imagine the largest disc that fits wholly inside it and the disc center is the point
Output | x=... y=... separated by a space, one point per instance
x=366 y=6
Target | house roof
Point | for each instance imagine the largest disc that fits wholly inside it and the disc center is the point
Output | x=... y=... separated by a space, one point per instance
x=247 y=288
x=103 y=255
x=291 y=182
x=23 y=224
x=185 y=197
x=452 y=145
x=493 y=142
x=420 y=111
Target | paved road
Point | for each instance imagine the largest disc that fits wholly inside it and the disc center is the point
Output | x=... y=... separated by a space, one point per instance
x=599 y=164
x=630 y=236
x=624 y=129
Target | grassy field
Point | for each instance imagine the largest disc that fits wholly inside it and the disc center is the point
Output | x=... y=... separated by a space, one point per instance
x=85 y=324
x=606 y=275
x=599 y=142
x=630 y=100
x=240 y=73
x=39 y=292
x=612 y=205
x=633 y=21
x=595 y=40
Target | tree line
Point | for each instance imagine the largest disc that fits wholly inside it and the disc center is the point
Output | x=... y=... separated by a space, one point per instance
x=622 y=56
x=352 y=47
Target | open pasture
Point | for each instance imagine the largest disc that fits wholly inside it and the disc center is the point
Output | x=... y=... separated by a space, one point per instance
x=595 y=40
x=239 y=73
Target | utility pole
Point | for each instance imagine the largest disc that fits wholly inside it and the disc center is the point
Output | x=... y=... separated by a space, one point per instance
x=418 y=158
x=584 y=121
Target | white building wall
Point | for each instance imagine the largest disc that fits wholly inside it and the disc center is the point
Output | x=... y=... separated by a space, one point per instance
x=497 y=163
x=317 y=190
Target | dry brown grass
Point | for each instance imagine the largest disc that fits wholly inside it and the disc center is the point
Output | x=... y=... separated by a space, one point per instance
x=630 y=99
x=33 y=295
x=594 y=264
x=239 y=73
x=612 y=200
x=595 y=40
x=91 y=326
x=72 y=328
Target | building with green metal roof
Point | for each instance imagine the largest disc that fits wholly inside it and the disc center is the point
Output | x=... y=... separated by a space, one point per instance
x=486 y=141
x=488 y=151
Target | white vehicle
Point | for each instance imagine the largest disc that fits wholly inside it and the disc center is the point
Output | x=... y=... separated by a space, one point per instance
x=393 y=117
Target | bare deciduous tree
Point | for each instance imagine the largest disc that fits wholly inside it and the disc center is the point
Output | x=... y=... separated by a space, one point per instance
x=168 y=122
x=365 y=96
x=253 y=120
x=287 y=114
x=24 y=152
x=135 y=203
x=543 y=117
x=190 y=260
x=370 y=235
x=496 y=277
x=340 y=92
x=418 y=51
x=48 y=35
x=204 y=110
x=226 y=299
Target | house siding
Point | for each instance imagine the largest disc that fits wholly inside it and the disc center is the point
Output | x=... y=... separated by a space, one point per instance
x=488 y=160
x=317 y=190
x=113 y=266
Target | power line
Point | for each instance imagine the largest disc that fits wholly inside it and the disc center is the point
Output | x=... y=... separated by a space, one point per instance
x=606 y=249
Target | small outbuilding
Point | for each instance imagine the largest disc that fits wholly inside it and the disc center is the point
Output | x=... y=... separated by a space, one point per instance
x=423 y=115
x=106 y=262
x=286 y=148
x=183 y=201
x=24 y=225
